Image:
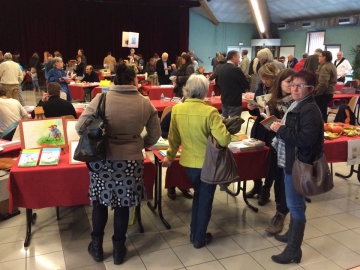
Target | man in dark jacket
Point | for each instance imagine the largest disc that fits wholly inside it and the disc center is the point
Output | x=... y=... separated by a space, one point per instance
x=90 y=75
x=163 y=69
x=53 y=105
x=232 y=84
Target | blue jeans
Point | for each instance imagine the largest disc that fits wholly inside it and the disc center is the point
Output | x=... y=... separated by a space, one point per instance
x=36 y=84
x=201 y=207
x=295 y=202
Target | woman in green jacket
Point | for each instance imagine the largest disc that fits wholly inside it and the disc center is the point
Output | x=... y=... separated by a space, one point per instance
x=191 y=124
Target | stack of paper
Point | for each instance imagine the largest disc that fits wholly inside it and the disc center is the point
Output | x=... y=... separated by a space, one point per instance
x=248 y=144
x=163 y=153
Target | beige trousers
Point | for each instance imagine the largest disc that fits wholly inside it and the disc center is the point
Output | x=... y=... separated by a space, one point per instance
x=12 y=91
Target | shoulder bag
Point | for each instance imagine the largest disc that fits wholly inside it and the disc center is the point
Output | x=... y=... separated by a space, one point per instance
x=312 y=179
x=92 y=143
x=219 y=165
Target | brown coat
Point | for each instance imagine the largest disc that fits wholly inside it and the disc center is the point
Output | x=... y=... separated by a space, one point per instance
x=127 y=113
x=110 y=60
x=327 y=78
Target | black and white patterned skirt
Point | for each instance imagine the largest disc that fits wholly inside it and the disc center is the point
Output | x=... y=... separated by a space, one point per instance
x=118 y=183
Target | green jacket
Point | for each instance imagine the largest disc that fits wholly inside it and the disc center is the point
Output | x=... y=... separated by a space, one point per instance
x=327 y=78
x=191 y=124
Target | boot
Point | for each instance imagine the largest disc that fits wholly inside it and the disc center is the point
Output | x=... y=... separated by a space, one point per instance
x=95 y=248
x=119 y=251
x=284 y=238
x=255 y=190
x=276 y=224
x=264 y=196
x=292 y=252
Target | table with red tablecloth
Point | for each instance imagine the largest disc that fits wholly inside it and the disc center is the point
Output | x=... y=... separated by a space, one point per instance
x=252 y=164
x=61 y=185
x=154 y=92
x=77 y=90
x=213 y=87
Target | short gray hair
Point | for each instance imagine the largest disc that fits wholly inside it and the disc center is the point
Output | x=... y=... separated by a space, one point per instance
x=8 y=56
x=197 y=86
x=56 y=60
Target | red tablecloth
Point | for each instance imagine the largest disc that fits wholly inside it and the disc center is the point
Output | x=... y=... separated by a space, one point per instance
x=62 y=185
x=140 y=77
x=215 y=88
x=341 y=96
x=339 y=86
x=154 y=92
x=77 y=90
x=11 y=151
x=336 y=150
x=78 y=111
x=252 y=165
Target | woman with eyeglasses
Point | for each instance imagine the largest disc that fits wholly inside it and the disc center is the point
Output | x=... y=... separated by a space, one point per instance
x=299 y=134
x=327 y=78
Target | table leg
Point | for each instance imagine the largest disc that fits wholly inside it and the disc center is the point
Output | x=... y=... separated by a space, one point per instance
x=138 y=216
x=10 y=215
x=154 y=205
x=57 y=213
x=352 y=170
x=30 y=220
x=255 y=209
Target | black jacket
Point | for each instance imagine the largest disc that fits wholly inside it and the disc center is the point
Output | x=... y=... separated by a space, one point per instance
x=217 y=68
x=56 y=107
x=80 y=69
x=92 y=77
x=183 y=75
x=163 y=79
x=304 y=128
x=232 y=84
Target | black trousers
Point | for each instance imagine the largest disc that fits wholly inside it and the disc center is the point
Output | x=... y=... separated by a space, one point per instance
x=341 y=79
x=322 y=101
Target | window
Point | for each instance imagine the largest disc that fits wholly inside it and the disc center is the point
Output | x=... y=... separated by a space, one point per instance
x=315 y=40
x=334 y=49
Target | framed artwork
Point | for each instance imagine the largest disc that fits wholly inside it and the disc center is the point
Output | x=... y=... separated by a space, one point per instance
x=125 y=39
x=72 y=147
x=40 y=133
x=133 y=40
x=71 y=133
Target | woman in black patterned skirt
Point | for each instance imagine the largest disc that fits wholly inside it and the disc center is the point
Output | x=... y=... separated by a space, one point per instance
x=118 y=183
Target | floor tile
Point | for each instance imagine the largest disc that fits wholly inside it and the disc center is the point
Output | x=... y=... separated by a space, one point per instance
x=243 y=262
x=223 y=211
x=174 y=221
x=215 y=230
x=312 y=232
x=325 y=264
x=12 y=251
x=326 y=225
x=325 y=207
x=349 y=239
x=346 y=219
x=327 y=246
x=48 y=261
x=131 y=263
x=149 y=242
x=97 y=266
x=345 y=204
x=189 y=255
x=328 y=196
x=177 y=237
x=310 y=255
x=233 y=225
x=215 y=265
x=19 y=264
x=162 y=259
x=347 y=260
x=44 y=245
x=224 y=247
x=251 y=241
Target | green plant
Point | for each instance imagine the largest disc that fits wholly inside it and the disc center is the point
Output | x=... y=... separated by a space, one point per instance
x=356 y=62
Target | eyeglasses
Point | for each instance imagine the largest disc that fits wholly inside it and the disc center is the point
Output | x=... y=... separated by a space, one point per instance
x=302 y=86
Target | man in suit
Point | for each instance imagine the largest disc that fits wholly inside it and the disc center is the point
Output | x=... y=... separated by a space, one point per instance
x=232 y=84
x=163 y=69
x=53 y=105
x=312 y=61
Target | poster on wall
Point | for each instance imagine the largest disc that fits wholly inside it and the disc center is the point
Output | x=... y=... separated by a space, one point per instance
x=130 y=39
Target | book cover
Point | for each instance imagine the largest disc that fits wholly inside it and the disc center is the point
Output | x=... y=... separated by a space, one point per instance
x=29 y=157
x=264 y=99
x=268 y=121
x=50 y=156
x=253 y=102
x=254 y=143
x=160 y=145
x=163 y=153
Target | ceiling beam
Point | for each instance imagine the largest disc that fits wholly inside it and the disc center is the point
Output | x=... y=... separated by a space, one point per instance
x=265 y=14
x=209 y=12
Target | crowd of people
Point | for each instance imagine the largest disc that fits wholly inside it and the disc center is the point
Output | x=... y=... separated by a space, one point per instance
x=300 y=93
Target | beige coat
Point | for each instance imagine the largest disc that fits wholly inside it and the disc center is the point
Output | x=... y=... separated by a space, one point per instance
x=127 y=113
x=110 y=60
x=327 y=78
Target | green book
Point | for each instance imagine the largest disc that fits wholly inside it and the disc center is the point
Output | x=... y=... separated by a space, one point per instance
x=29 y=157
x=50 y=156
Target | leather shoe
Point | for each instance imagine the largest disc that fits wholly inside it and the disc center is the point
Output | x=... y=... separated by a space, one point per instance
x=186 y=192
x=208 y=239
x=171 y=193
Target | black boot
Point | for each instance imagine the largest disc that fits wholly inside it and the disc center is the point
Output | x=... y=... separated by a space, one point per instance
x=119 y=251
x=255 y=190
x=264 y=196
x=284 y=238
x=95 y=248
x=292 y=252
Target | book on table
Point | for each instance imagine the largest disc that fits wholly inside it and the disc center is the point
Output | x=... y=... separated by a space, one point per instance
x=268 y=121
x=248 y=144
x=50 y=156
x=163 y=153
x=29 y=158
x=161 y=144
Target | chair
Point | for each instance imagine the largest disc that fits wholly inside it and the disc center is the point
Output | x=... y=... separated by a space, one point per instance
x=165 y=112
x=8 y=134
x=352 y=105
x=247 y=124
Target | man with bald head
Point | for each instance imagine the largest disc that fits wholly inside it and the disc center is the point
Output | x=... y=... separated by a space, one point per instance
x=90 y=75
x=163 y=69
x=292 y=61
x=343 y=66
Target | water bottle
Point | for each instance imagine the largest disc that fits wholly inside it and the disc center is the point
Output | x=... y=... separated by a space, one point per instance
x=162 y=97
x=212 y=95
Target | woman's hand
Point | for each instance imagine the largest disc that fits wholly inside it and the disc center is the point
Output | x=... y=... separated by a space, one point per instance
x=275 y=126
x=251 y=107
x=166 y=162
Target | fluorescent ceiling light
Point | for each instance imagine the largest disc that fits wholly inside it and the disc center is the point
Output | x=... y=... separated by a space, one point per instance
x=258 y=17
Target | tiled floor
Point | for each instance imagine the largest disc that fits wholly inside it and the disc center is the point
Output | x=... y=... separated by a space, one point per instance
x=331 y=239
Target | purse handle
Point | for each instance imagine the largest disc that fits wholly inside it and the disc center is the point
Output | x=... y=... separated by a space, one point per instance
x=100 y=111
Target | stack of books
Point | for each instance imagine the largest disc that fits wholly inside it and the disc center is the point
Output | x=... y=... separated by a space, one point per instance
x=248 y=144
x=160 y=145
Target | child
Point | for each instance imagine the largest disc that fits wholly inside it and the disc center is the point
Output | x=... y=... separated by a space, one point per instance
x=34 y=78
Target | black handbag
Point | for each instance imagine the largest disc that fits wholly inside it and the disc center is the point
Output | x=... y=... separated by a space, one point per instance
x=233 y=124
x=92 y=143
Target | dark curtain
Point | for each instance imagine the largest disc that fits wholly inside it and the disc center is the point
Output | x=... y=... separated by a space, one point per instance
x=95 y=27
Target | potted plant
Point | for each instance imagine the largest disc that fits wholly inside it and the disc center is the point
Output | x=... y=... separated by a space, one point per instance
x=356 y=63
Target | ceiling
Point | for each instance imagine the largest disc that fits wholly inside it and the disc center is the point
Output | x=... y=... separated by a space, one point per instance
x=281 y=11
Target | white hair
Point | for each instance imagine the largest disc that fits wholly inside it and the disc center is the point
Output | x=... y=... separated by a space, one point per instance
x=265 y=54
x=197 y=86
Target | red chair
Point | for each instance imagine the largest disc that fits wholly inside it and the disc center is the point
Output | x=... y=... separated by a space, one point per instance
x=27 y=82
